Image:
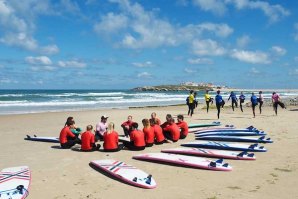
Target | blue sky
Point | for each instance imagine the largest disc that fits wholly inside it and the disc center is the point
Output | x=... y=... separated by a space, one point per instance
x=114 y=44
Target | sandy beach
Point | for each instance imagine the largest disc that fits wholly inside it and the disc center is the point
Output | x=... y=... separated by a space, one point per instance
x=58 y=173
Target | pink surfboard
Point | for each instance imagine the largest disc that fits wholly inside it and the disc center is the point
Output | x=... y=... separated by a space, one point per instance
x=182 y=160
x=212 y=153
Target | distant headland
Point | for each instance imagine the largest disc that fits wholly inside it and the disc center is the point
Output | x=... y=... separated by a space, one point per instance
x=185 y=86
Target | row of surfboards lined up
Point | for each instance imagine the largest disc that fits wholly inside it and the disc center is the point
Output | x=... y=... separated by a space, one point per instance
x=15 y=181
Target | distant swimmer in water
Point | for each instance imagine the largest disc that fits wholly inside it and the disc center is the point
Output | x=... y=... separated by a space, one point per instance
x=234 y=99
x=219 y=103
x=254 y=103
x=241 y=99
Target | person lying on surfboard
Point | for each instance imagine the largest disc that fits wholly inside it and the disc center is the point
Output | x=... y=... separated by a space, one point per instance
x=110 y=139
x=170 y=129
x=127 y=126
x=137 y=139
x=88 y=140
x=67 y=138
x=183 y=126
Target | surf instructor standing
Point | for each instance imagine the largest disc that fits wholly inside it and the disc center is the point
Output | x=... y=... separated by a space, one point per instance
x=191 y=103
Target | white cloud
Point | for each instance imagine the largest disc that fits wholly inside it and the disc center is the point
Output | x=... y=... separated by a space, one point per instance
x=17 y=22
x=8 y=81
x=243 y=41
x=217 y=7
x=189 y=70
x=72 y=64
x=111 y=23
x=250 y=56
x=50 y=49
x=220 y=7
x=207 y=47
x=136 y=28
x=144 y=75
x=277 y=50
x=42 y=60
x=200 y=61
x=273 y=12
x=143 y=65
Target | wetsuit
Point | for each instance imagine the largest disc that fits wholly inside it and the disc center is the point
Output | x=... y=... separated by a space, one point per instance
x=67 y=138
x=219 y=103
x=234 y=100
x=88 y=142
x=254 y=103
x=137 y=141
x=261 y=101
x=241 y=98
x=183 y=129
x=171 y=132
x=208 y=99
x=110 y=142
x=191 y=104
x=149 y=136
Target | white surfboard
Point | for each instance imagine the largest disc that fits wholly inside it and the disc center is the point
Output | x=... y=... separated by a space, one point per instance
x=225 y=146
x=212 y=153
x=235 y=138
x=231 y=133
x=198 y=129
x=15 y=182
x=126 y=173
x=42 y=139
x=183 y=160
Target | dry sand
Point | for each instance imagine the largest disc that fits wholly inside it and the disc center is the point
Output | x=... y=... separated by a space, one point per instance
x=58 y=173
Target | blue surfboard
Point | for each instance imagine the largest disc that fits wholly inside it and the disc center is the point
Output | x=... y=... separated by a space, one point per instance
x=235 y=139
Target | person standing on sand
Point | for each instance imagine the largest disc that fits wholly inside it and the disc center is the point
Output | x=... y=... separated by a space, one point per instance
x=234 y=99
x=241 y=99
x=254 y=103
x=208 y=99
x=191 y=103
x=261 y=101
x=276 y=101
x=219 y=103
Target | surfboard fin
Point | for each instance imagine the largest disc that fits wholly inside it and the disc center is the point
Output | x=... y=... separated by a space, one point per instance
x=135 y=179
x=251 y=155
x=35 y=135
x=262 y=138
x=212 y=164
x=242 y=154
x=28 y=136
x=225 y=165
x=219 y=161
x=148 y=181
x=253 y=146
x=20 y=189
x=261 y=147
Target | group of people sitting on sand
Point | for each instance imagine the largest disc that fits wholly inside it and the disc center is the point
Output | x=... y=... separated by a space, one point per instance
x=153 y=132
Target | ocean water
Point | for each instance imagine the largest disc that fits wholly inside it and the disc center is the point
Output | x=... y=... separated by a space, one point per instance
x=33 y=101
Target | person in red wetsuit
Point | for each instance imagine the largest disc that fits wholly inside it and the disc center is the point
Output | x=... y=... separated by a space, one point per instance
x=67 y=138
x=110 y=139
x=159 y=137
x=183 y=126
x=155 y=119
x=88 y=140
x=148 y=132
x=170 y=129
x=137 y=139
x=127 y=126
